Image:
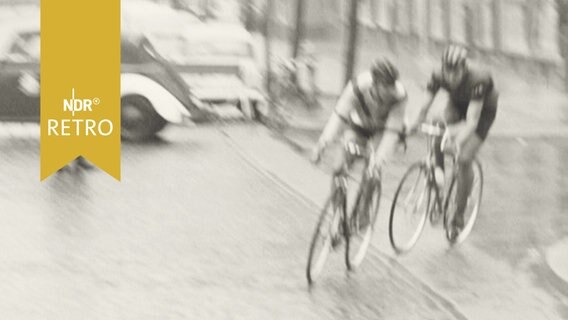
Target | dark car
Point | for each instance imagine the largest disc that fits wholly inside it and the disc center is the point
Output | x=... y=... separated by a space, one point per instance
x=152 y=93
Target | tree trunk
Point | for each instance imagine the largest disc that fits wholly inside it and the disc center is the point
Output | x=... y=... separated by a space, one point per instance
x=496 y=26
x=299 y=30
x=426 y=35
x=267 y=50
x=351 y=41
x=247 y=14
x=447 y=20
x=470 y=36
x=562 y=7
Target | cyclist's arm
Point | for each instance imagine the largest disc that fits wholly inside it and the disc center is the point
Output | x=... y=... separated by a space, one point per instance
x=478 y=92
x=430 y=94
x=426 y=106
x=463 y=130
x=340 y=116
x=397 y=118
x=394 y=127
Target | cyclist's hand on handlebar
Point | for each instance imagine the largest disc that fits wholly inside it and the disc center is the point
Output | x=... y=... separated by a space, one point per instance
x=317 y=152
x=449 y=143
x=410 y=128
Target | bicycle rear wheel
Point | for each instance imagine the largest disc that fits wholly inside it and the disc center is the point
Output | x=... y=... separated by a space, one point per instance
x=471 y=210
x=409 y=208
x=362 y=222
x=326 y=234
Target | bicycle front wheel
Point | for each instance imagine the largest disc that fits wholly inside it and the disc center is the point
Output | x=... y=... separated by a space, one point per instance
x=409 y=208
x=326 y=235
x=361 y=223
x=472 y=207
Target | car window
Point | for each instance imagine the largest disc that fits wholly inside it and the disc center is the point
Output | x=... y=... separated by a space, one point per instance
x=24 y=49
x=219 y=48
x=179 y=50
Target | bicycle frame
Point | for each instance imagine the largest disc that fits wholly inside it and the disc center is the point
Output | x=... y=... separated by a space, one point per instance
x=429 y=166
x=354 y=152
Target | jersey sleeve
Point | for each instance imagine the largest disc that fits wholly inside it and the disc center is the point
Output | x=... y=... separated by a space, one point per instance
x=434 y=84
x=346 y=102
x=395 y=119
x=480 y=89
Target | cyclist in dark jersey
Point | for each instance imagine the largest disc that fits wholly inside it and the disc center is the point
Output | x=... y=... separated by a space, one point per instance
x=469 y=113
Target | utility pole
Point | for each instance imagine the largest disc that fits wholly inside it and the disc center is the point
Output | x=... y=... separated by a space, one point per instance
x=267 y=50
x=352 y=40
x=562 y=7
x=299 y=30
x=247 y=14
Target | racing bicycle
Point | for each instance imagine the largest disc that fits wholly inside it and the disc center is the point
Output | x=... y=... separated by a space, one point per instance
x=419 y=197
x=339 y=223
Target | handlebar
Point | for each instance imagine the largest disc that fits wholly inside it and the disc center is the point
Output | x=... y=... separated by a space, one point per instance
x=432 y=129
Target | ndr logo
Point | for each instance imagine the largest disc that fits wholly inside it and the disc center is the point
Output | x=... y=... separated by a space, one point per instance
x=79 y=105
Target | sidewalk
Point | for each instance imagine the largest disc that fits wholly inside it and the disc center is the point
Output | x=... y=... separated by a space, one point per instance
x=527 y=109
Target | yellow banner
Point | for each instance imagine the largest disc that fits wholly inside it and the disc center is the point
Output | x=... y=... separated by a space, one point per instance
x=80 y=84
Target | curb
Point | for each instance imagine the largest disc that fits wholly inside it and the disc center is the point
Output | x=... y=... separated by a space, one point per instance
x=557 y=261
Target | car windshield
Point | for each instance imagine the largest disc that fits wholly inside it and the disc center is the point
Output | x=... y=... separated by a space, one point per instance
x=22 y=48
x=178 y=49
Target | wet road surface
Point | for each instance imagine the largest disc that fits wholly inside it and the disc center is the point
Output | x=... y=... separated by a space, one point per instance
x=215 y=222
x=500 y=272
x=193 y=231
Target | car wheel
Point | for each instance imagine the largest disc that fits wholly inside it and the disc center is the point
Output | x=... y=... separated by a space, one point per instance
x=139 y=120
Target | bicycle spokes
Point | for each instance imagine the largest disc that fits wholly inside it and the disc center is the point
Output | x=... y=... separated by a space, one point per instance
x=470 y=208
x=326 y=237
x=416 y=196
x=361 y=222
x=409 y=209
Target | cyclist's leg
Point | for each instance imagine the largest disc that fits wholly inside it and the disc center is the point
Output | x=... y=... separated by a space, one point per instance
x=341 y=167
x=345 y=160
x=448 y=115
x=385 y=146
x=365 y=198
x=469 y=150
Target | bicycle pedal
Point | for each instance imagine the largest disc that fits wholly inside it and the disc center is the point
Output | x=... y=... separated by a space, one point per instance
x=336 y=242
x=435 y=218
x=454 y=234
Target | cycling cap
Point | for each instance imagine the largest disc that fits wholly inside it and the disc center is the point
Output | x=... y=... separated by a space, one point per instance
x=384 y=71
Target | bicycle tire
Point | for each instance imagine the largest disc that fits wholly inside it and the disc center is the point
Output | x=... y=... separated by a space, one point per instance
x=448 y=214
x=335 y=217
x=368 y=196
x=469 y=222
x=421 y=179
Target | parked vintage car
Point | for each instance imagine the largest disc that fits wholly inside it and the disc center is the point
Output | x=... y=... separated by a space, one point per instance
x=220 y=62
x=152 y=93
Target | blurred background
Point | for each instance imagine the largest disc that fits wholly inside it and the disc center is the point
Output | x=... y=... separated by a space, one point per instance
x=221 y=103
